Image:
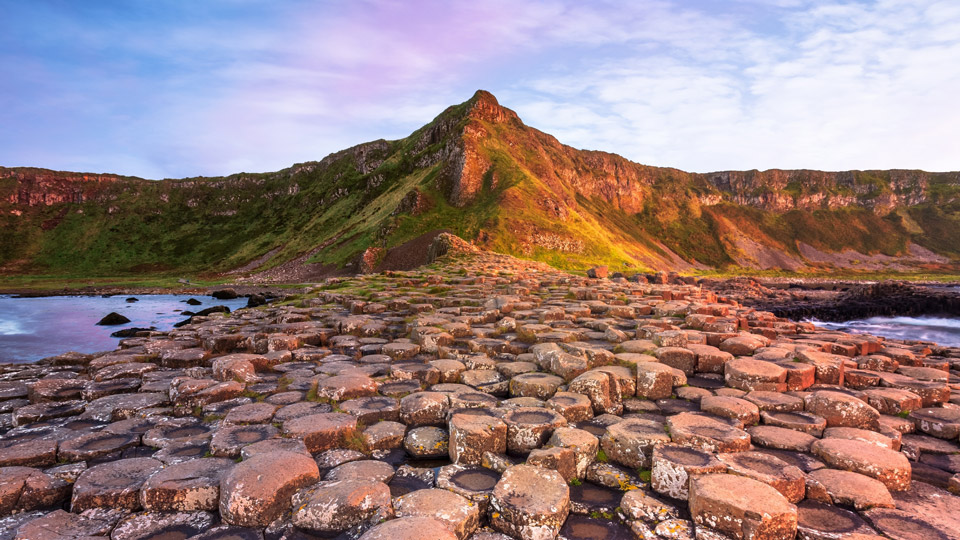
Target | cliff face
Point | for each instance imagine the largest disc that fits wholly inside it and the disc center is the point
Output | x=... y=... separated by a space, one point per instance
x=479 y=171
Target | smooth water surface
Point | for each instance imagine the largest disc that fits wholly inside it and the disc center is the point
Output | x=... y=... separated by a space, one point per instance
x=35 y=328
x=943 y=331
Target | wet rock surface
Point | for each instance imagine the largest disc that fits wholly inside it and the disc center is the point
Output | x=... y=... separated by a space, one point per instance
x=486 y=398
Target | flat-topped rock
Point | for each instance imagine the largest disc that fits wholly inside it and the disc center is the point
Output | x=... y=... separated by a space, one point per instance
x=529 y=502
x=457 y=513
x=472 y=435
x=410 y=528
x=847 y=488
x=707 y=433
x=889 y=467
x=338 y=506
x=115 y=484
x=321 y=431
x=23 y=489
x=631 y=442
x=788 y=479
x=842 y=410
x=939 y=422
x=673 y=466
x=742 y=508
x=186 y=486
x=257 y=491
x=529 y=428
x=748 y=374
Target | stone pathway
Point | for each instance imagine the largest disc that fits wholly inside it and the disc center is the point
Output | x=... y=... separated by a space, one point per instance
x=486 y=398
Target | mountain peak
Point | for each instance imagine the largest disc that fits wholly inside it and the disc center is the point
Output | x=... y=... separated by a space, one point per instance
x=484 y=106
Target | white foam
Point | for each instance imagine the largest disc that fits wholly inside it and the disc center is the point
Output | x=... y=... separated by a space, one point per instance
x=11 y=328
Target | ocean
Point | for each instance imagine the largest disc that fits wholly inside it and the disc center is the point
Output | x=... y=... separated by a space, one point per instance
x=35 y=328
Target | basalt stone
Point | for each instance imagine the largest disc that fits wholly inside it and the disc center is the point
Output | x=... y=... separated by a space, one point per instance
x=29 y=453
x=123 y=406
x=631 y=442
x=574 y=407
x=95 y=445
x=748 y=374
x=583 y=443
x=707 y=433
x=46 y=390
x=538 y=385
x=731 y=407
x=258 y=490
x=742 y=508
x=150 y=525
x=457 y=513
x=892 y=400
x=23 y=489
x=798 y=420
x=654 y=380
x=424 y=409
x=251 y=413
x=841 y=410
x=887 y=466
x=321 y=431
x=112 y=319
x=229 y=440
x=602 y=390
x=774 y=401
x=781 y=438
x=186 y=486
x=872 y=437
x=297 y=410
x=818 y=521
x=95 y=390
x=427 y=442
x=474 y=483
x=637 y=504
x=113 y=485
x=411 y=528
x=530 y=427
x=787 y=479
x=59 y=525
x=939 y=422
x=39 y=412
x=362 y=469
x=847 y=488
x=472 y=435
x=339 y=506
x=562 y=460
x=177 y=431
x=370 y=410
x=901 y=525
x=530 y=503
x=673 y=466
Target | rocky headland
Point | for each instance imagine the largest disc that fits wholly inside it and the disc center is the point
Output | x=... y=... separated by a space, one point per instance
x=484 y=397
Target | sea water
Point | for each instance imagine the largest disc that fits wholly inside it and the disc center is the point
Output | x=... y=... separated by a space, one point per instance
x=35 y=328
x=940 y=330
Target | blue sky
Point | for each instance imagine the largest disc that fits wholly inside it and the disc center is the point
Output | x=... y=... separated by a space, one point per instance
x=165 y=88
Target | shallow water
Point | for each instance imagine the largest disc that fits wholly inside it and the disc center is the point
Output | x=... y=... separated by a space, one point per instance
x=35 y=328
x=940 y=330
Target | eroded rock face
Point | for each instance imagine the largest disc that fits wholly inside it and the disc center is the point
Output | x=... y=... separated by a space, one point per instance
x=257 y=491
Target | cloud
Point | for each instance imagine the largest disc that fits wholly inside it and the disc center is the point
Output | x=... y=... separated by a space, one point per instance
x=167 y=89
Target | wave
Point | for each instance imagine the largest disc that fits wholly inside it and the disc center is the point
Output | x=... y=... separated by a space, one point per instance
x=941 y=330
x=11 y=328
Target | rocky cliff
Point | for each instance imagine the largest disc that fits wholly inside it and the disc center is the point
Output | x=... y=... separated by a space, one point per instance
x=479 y=171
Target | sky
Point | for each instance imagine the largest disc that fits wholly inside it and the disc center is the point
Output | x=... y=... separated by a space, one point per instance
x=176 y=88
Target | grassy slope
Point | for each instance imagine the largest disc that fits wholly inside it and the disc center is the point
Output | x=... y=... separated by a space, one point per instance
x=203 y=226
